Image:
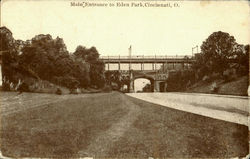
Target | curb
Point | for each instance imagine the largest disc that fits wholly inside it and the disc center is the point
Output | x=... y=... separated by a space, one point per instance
x=215 y=95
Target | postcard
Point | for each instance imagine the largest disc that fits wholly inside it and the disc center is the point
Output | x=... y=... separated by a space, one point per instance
x=124 y=79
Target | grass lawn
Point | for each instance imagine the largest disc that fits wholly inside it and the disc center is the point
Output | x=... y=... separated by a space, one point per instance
x=60 y=129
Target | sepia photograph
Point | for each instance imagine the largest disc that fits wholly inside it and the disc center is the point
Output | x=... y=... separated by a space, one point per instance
x=124 y=79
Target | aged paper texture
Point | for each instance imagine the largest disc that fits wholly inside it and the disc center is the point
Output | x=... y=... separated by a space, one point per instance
x=124 y=79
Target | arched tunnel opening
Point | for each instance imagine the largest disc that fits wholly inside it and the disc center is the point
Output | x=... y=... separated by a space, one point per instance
x=143 y=85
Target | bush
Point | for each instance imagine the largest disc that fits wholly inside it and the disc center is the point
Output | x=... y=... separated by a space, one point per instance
x=214 y=88
x=58 y=91
x=107 y=88
x=242 y=71
x=23 y=87
x=6 y=87
x=206 y=79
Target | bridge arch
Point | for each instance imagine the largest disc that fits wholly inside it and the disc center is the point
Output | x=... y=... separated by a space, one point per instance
x=151 y=79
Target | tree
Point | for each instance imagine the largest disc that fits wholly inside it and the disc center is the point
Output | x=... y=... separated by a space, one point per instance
x=242 y=59
x=46 y=58
x=114 y=77
x=217 y=51
x=199 y=66
x=9 y=54
x=147 y=88
x=96 y=67
x=97 y=74
x=50 y=60
x=90 y=55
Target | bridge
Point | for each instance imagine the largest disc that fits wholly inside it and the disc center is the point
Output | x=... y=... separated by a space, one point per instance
x=157 y=77
x=140 y=59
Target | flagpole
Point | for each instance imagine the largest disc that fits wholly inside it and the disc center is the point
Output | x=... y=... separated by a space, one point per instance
x=130 y=50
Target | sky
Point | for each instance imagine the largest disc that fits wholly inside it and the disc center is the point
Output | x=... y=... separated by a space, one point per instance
x=150 y=30
x=140 y=83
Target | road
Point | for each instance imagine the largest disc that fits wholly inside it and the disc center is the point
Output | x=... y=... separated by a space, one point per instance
x=111 y=125
x=224 y=107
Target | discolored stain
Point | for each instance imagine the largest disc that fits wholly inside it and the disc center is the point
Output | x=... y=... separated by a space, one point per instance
x=243 y=23
x=204 y=3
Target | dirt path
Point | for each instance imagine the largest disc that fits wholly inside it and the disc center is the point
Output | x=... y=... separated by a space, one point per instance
x=104 y=142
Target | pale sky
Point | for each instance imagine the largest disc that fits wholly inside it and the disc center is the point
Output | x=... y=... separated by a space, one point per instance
x=112 y=30
x=140 y=83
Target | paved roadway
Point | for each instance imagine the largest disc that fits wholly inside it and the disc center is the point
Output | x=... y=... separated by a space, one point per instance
x=224 y=107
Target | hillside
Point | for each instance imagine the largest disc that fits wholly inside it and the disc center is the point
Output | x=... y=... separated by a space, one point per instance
x=238 y=86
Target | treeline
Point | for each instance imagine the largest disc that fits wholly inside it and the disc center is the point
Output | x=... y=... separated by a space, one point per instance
x=221 y=58
x=219 y=53
x=45 y=58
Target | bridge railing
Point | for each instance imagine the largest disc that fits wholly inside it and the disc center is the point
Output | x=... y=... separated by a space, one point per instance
x=146 y=57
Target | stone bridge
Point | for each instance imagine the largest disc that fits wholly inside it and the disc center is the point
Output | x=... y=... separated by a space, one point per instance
x=157 y=77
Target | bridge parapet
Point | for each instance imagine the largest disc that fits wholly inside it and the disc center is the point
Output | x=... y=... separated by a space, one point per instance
x=139 y=57
x=147 y=59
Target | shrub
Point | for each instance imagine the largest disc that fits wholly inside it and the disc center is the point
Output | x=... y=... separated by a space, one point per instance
x=206 y=79
x=6 y=87
x=58 y=91
x=23 y=87
x=107 y=88
x=214 y=88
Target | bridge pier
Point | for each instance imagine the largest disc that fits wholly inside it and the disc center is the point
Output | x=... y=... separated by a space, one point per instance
x=160 y=86
x=131 y=87
x=156 y=86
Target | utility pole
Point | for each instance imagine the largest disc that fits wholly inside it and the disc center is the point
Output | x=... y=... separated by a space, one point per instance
x=129 y=51
x=192 y=52
x=131 y=83
x=193 y=48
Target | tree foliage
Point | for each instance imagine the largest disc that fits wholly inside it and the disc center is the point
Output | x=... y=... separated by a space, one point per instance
x=217 y=50
x=9 y=54
x=218 y=53
x=242 y=59
x=147 y=88
x=96 y=67
x=46 y=58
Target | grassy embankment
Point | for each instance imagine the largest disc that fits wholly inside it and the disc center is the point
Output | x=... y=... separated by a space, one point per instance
x=238 y=87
